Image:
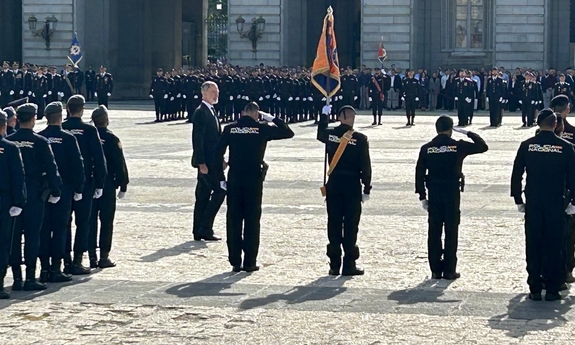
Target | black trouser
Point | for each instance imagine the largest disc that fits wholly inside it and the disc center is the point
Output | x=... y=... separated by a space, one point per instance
x=29 y=222
x=544 y=237
x=462 y=115
x=243 y=217
x=343 y=199
x=39 y=101
x=158 y=105
x=6 y=231
x=494 y=111
x=103 y=99
x=569 y=243
x=528 y=113
x=410 y=105
x=443 y=215
x=54 y=228
x=226 y=110
x=89 y=93
x=376 y=107
x=81 y=210
x=5 y=98
x=104 y=209
x=209 y=199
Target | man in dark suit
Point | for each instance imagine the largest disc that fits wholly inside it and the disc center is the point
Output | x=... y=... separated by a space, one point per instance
x=205 y=136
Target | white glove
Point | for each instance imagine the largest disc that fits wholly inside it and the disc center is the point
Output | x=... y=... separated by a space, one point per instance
x=49 y=93
x=521 y=208
x=370 y=98
x=570 y=210
x=532 y=102
x=185 y=96
x=246 y=98
x=239 y=96
x=231 y=98
x=364 y=197
x=290 y=99
x=95 y=94
x=172 y=98
x=279 y=98
x=355 y=98
x=403 y=98
x=15 y=211
x=61 y=94
x=267 y=96
x=121 y=195
x=98 y=193
x=267 y=116
x=310 y=99
x=460 y=130
x=468 y=100
x=11 y=92
x=340 y=98
x=324 y=99
x=417 y=99
x=178 y=96
x=487 y=100
x=196 y=97
x=21 y=92
x=500 y=99
x=303 y=99
x=261 y=99
x=29 y=93
x=77 y=196
x=53 y=199
x=223 y=185
x=326 y=109
x=109 y=94
x=456 y=98
x=45 y=96
x=297 y=98
x=275 y=95
x=165 y=96
x=520 y=102
x=151 y=96
x=425 y=205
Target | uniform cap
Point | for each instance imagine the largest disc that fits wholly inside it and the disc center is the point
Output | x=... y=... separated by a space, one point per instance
x=10 y=112
x=76 y=100
x=26 y=112
x=99 y=112
x=15 y=104
x=53 y=108
x=543 y=114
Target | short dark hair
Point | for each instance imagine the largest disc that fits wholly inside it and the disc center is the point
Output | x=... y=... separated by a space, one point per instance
x=251 y=107
x=443 y=123
x=75 y=108
x=345 y=111
x=559 y=103
x=548 y=122
x=52 y=117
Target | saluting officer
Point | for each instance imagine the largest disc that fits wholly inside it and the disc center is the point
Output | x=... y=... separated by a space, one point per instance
x=104 y=85
x=40 y=168
x=247 y=140
x=95 y=177
x=71 y=167
x=438 y=170
x=12 y=197
x=549 y=163
x=496 y=89
x=104 y=208
x=349 y=168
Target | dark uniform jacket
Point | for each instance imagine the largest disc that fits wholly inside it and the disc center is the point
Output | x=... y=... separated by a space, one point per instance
x=117 y=170
x=12 y=171
x=68 y=156
x=355 y=160
x=39 y=164
x=411 y=88
x=206 y=133
x=104 y=83
x=6 y=81
x=440 y=162
x=384 y=83
x=562 y=89
x=159 y=87
x=568 y=132
x=496 y=88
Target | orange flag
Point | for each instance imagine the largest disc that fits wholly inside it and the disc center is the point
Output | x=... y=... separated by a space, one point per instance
x=325 y=71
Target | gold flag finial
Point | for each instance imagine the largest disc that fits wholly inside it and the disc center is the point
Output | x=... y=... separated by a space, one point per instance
x=329 y=10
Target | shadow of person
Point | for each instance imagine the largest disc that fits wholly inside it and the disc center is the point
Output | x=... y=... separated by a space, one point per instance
x=428 y=291
x=488 y=127
x=176 y=250
x=402 y=127
x=213 y=286
x=526 y=316
x=321 y=289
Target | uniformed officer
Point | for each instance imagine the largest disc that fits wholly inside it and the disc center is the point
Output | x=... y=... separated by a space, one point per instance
x=6 y=84
x=349 y=87
x=40 y=90
x=104 y=208
x=496 y=90
x=549 y=163
x=347 y=172
x=41 y=170
x=528 y=99
x=104 y=86
x=89 y=79
x=10 y=120
x=562 y=87
x=70 y=165
x=158 y=90
x=54 y=81
x=18 y=81
x=95 y=177
x=377 y=91
x=67 y=83
x=12 y=197
x=411 y=92
x=438 y=171
x=247 y=140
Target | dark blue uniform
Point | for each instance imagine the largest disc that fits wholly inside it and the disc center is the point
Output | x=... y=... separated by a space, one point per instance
x=57 y=216
x=41 y=176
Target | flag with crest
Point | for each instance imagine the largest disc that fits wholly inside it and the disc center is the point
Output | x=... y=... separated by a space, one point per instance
x=325 y=71
x=75 y=55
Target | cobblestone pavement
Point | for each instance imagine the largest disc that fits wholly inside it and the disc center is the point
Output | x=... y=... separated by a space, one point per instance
x=169 y=289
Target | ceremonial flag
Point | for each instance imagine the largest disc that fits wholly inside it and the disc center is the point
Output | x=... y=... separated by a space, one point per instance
x=381 y=53
x=325 y=71
x=75 y=51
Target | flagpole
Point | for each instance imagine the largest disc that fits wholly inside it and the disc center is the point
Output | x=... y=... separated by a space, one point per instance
x=329 y=57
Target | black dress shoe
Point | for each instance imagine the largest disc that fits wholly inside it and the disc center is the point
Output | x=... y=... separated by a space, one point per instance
x=435 y=275
x=59 y=277
x=79 y=270
x=106 y=263
x=451 y=276
x=563 y=287
x=407 y=124
x=17 y=285
x=374 y=123
x=4 y=294
x=251 y=268
x=379 y=123
x=552 y=296
x=570 y=278
x=236 y=269
x=33 y=285
x=333 y=272
x=211 y=238
x=535 y=296
x=352 y=272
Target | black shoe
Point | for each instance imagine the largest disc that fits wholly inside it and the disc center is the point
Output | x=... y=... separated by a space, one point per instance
x=570 y=278
x=79 y=270
x=451 y=276
x=44 y=276
x=33 y=285
x=379 y=123
x=211 y=238
x=4 y=294
x=251 y=268
x=59 y=277
x=435 y=275
x=352 y=272
x=374 y=123
x=17 y=285
x=333 y=272
x=407 y=124
x=524 y=125
x=563 y=287
x=106 y=263
x=93 y=262
x=535 y=296
x=552 y=296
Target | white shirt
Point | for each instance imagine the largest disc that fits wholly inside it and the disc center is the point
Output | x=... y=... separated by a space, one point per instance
x=444 y=81
x=211 y=107
x=392 y=80
x=478 y=81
